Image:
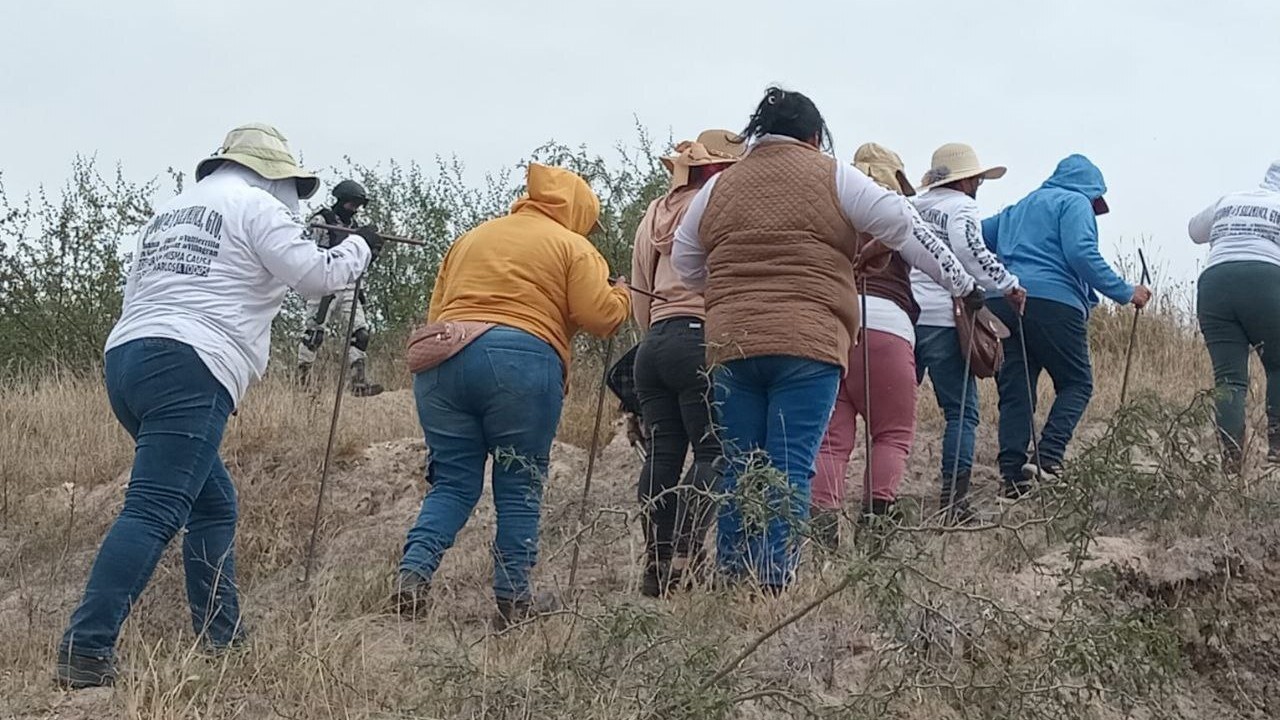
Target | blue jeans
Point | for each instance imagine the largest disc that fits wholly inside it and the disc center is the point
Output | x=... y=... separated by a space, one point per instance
x=938 y=353
x=500 y=396
x=165 y=397
x=778 y=406
x=1057 y=340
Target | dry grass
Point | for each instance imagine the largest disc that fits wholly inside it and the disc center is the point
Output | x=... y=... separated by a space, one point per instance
x=331 y=651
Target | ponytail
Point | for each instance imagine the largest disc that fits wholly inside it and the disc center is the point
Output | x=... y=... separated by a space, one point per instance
x=788 y=113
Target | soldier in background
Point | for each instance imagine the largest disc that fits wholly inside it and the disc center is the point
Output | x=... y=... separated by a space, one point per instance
x=349 y=196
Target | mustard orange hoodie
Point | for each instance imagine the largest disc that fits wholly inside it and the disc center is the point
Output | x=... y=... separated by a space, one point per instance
x=534 y=269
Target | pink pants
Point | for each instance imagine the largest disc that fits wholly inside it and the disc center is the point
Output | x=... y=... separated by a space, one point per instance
x=893 y=422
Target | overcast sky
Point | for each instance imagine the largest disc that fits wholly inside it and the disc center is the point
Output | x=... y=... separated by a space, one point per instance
x=1178 y=101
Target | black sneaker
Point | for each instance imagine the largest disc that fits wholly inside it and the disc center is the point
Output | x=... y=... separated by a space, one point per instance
x=1047 y=474
x=76 y=672
x=366 y=389
x=411 y=598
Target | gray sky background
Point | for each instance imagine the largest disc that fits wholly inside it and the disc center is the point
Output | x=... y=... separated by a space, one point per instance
x=1178 y=101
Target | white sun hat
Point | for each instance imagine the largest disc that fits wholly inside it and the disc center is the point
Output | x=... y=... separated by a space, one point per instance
x=957 y=161
x=264 y=150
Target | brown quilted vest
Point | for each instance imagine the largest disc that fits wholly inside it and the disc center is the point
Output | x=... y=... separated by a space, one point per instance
x=780 y=278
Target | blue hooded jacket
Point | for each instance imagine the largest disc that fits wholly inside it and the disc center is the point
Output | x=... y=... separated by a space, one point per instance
x=1049 y=239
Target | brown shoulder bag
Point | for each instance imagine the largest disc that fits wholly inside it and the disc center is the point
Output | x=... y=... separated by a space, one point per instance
x=980 y=335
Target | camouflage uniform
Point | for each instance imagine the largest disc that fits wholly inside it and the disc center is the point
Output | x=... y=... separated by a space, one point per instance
x=336 y=308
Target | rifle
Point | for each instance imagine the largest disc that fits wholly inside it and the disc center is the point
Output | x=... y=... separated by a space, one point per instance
x=384 y=236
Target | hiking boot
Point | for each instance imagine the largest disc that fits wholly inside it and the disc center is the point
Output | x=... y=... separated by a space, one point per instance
x=1233 y=459
x=659 y=579
x=1012 y=492
x=954 y=501
x=360 y=385
x=824 y=528
x=878 y=509
x=76 y=672
x=411 y=598
x=513 y=611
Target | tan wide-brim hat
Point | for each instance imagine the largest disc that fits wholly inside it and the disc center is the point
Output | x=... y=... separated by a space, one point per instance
x=957 y=161
x=884 y=167
x=264 y=150
x=713 y=147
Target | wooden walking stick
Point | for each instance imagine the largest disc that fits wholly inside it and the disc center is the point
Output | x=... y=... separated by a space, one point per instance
x=866 y=397
x=647 y=293
x=1133 y=333
x=352 y=231
x=591 y=465
x=333 y=430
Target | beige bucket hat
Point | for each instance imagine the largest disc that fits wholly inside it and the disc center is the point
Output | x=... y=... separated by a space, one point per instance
x=957 y=161
x=883 y=166
x=713 y=147
x=264 y=150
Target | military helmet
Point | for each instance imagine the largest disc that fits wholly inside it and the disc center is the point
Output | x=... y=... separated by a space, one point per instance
x=350 y=190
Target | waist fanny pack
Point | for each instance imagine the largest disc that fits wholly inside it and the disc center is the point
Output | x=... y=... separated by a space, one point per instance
x=980 y=335
x=430 y=345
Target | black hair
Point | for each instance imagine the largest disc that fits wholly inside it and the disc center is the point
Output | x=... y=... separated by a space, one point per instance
x=789 y=113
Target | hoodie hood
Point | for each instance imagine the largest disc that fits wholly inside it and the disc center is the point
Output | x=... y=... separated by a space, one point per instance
x=1077 y=174
x=1272 y=180
x=661 y=222
x=560 y=195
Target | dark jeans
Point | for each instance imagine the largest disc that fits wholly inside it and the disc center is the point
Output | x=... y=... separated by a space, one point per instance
x=938 y=354
x=775 y=411
x=500 y=396
x=1057 y=340
x=1238 y=304
x=176 y=411
x=675 y=400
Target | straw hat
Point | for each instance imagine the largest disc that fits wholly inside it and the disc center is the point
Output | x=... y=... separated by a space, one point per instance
x=957 y=161
x=884 y=166
x=712 y=147
x=264 y=150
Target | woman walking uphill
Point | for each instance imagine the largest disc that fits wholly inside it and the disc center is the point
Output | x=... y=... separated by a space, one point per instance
x=882 y=367
x=210 y=272
x=1050 y=239
x=773 y=240
x=950 y=206
x=518 y=288
x=1238 y=303
x=671 y=376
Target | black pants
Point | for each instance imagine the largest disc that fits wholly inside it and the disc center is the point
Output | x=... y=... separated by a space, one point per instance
x=676 y=404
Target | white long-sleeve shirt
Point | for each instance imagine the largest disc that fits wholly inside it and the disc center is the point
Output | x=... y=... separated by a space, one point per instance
x=953 y=216
x=212 y=268
x=880 y=213
x=1243 y=225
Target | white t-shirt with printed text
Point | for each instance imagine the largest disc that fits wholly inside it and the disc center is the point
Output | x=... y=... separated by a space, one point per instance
x=953 y=216
x=212 y=268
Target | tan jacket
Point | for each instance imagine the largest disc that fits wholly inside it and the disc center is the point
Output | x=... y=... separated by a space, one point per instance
x=780 y=273
x=651 y=263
